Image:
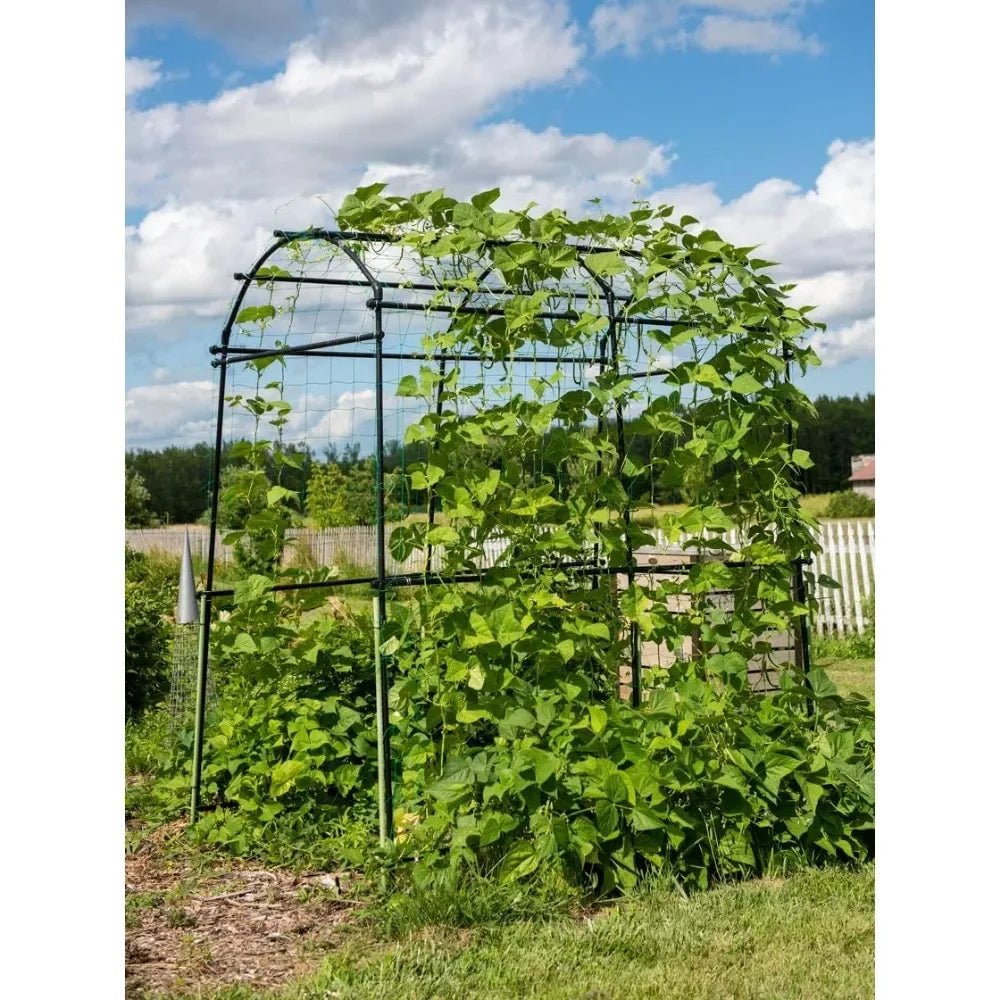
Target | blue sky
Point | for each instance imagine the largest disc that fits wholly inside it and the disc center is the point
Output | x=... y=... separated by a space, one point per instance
x=757 y=116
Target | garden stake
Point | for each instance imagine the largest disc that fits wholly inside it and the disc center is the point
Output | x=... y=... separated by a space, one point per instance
x=199 y=709
x=384 y=793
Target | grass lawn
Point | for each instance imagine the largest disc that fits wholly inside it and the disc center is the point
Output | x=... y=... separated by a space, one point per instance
x=196 y=931
x=809 y=936
x=851 y=675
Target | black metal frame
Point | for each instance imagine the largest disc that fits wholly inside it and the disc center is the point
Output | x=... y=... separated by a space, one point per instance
x=225 y=354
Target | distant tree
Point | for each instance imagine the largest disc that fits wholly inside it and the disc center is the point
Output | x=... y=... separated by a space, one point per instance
x=178 y=480
x=327 y=498
x=843 y=426
x=137 y=512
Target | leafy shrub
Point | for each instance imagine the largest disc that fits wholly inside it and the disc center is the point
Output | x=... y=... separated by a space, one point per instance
x=847 y=503
x=856 y=646
x=513 y=779
x=326 y=501
x=706 y=779
x=148 y=599
x=290 y=750
x=137 y=512
x=146 y=738
x=514 y=759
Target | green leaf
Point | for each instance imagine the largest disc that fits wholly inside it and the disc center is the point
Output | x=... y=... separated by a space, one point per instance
x=598 y=719
x=746 y=384
x=822 y=686
x=244 y=643
x=800 y=457
x=467 y=715
x=618 y=788
x=606 y=263
x=521 y=860
x=484 y=199
x=256 y=314
x=276 y=494
x=284 y=775
x=645 y=818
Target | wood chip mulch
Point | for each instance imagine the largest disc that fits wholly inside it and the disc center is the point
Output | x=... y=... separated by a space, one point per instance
x=188 y=931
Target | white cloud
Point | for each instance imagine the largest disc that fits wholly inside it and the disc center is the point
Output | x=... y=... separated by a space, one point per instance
x=140 y=74
x=180 y=258
x=617 y=26
x=846 y=343
x=344 y=421
x=757 y=26
x=716 y=33
x=331 y=112
x=823 y=238
x=176 y=413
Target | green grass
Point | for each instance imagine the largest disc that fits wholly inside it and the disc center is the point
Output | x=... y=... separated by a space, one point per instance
x=856 y=676
x=807 y=937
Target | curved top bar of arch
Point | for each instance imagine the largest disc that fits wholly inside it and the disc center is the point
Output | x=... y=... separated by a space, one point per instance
x=282 y=240
x=340 y=237
x=337 y=235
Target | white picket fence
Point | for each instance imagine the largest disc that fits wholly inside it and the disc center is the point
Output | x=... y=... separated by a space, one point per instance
x=847 y=555
x=351 y=547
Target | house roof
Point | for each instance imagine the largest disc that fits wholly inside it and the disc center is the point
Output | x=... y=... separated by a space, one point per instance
x=866 y=470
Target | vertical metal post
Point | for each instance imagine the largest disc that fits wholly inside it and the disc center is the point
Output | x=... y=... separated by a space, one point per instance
x=381 y=677
x=384 y=774
x=602 y=353
x=205 y=609
x=199 y=707
x=633 y=629
x=206 y=600
x=803 y=659
x=431 y=496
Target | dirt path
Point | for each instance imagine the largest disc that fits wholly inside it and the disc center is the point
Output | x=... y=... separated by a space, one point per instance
x=189 y=929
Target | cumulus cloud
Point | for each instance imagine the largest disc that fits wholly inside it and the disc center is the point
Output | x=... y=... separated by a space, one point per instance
x=824 y=239
x=181 y=256
x=141 y=74
x=328 y=113
x=174 y=413
x=716 y=33
x=755 y=26
x=847 y=343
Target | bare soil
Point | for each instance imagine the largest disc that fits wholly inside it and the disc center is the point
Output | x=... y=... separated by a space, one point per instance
x=224 y=924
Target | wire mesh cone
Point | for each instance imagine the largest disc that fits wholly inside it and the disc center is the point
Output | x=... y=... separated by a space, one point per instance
x=184 y=667
x=183 y=676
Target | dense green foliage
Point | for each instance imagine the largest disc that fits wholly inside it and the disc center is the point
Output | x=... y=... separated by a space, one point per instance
x=137 y=510
x=842 y=427
x=148 y=598
x=513 y=753
x=847 y=503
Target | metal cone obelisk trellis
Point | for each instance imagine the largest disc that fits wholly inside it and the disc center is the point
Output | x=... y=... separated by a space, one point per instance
x=183 y=676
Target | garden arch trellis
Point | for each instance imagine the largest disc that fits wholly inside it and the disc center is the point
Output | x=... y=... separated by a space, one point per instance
x=590 y=306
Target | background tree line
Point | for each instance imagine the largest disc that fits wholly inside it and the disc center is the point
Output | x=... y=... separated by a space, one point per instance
x=172 y=485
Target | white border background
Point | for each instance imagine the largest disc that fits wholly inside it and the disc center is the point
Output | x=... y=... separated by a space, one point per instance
x=938 y=385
